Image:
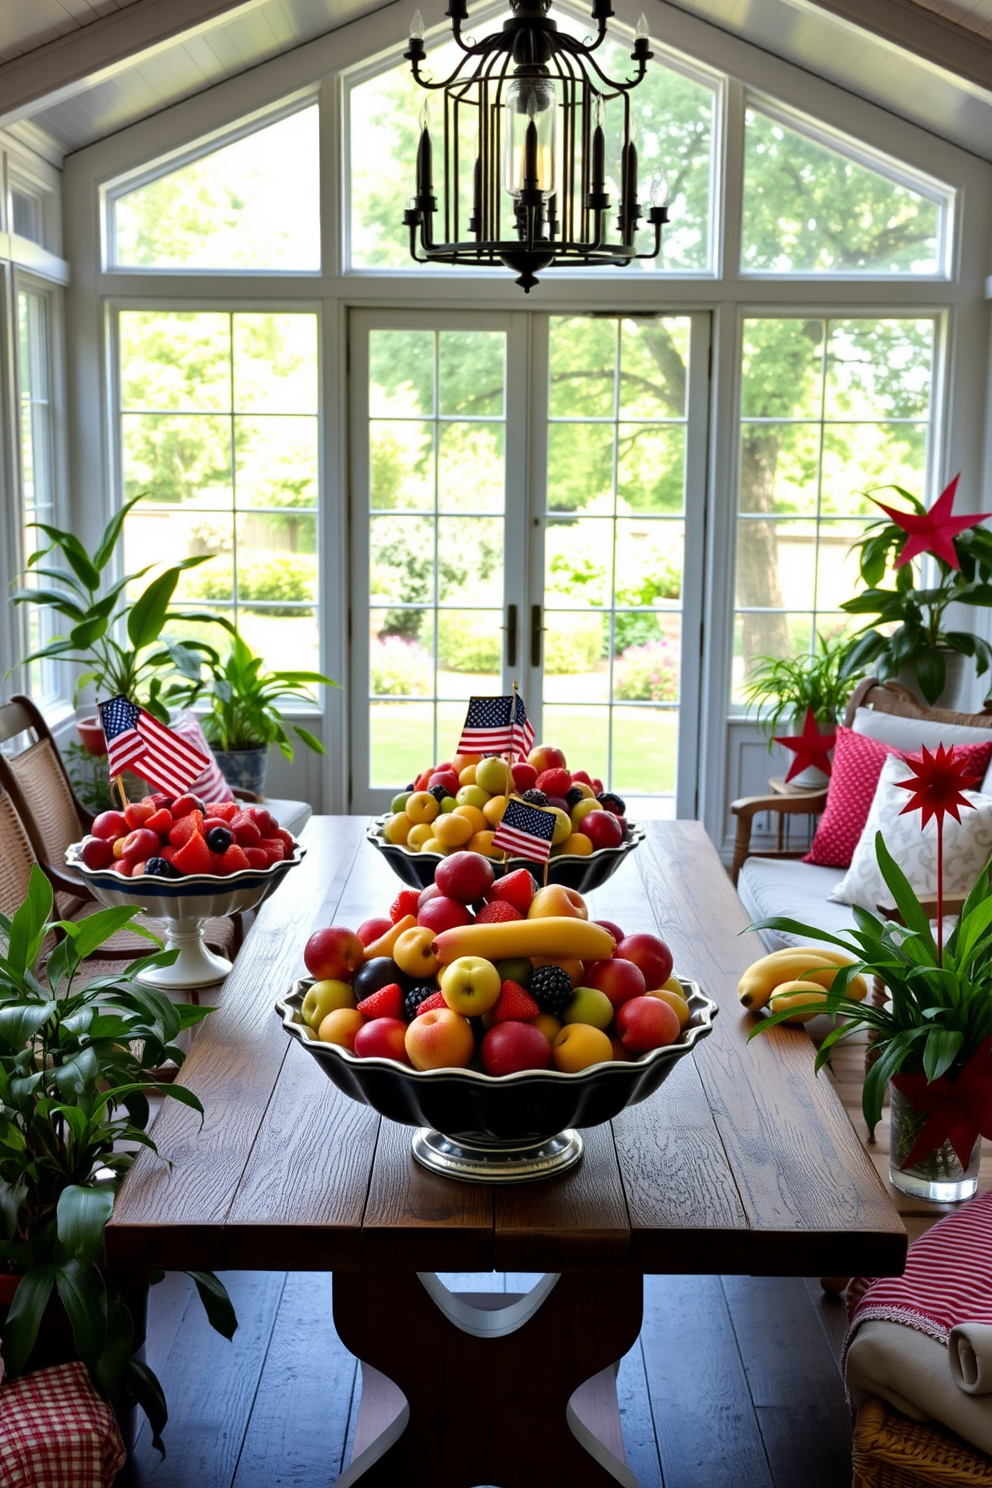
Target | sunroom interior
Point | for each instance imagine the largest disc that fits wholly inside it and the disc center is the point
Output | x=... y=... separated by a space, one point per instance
x=617 y=492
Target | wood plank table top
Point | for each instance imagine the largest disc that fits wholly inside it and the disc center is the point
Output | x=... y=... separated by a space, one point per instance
x=742 y=1162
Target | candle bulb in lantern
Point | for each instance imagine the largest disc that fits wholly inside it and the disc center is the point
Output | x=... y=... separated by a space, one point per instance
x=598 y=147
x=425 y=185
x=417 y=27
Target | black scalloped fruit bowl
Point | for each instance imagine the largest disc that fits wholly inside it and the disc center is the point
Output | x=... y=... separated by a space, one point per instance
x=466 y=1104
x=581 y=874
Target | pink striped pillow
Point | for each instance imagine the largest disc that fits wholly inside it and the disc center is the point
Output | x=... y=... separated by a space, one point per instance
x=211 y=785
x=857 y=765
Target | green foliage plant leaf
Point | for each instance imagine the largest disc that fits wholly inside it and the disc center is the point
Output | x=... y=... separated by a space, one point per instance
x=82 y=1216
x=20 y=1332
x=83 y=1294
x=216 y=1302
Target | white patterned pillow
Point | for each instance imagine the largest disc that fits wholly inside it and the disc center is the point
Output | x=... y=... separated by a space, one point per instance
x=967 y=844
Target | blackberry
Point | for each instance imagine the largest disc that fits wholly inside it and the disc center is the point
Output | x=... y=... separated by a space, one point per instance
x=574 y=796
x=438 y=792
x=612 y=802
x=551 y=989
x=415 y=996
x=535 y=797
x=161 y=868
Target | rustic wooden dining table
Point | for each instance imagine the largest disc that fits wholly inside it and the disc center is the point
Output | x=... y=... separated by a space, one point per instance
x=743 y=1162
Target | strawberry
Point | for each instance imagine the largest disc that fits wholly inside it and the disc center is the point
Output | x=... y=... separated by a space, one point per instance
x=190 y=825
x=430 y=1004
x=194 y=856
x=516 y=889
x=386 y=1003
x=247 y=832
x=405 y=903
x=232 y=860
x=497 y=911
x=555 y=782
x=183 y=805
x=287 y=839
x=160 y=822
x=257 y=857
x=515 y=1005
x=582 y=776
x=225 y=810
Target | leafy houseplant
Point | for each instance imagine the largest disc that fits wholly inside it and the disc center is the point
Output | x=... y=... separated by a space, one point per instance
x=115 y=639
x=785 y=686
x=75 y=1063
x=909 y=630
x=932 y=1039
x=243 y=712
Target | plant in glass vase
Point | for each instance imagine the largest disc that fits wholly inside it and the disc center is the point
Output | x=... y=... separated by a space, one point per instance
x=910 y=631
x=76 y=1062
x=931 y=1038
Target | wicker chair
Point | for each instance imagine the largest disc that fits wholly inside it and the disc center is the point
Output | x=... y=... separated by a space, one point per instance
x=40 y=791
x=890 y=1451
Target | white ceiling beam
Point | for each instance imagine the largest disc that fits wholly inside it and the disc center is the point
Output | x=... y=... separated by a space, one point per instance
x=929 y=36
x=60 y=68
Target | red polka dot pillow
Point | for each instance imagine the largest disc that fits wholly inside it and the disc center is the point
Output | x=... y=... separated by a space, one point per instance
x=857 y=765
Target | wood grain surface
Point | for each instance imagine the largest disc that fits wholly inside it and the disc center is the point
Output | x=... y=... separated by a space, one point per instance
x=743 y=1161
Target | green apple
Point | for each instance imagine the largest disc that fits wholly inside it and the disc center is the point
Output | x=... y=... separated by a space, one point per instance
x=493 y=774
x=589 y=1005
x=472 y=795
x=323 y=998
x=448 y=803
x=398 y=803
x=516 y=969
x=563 y=826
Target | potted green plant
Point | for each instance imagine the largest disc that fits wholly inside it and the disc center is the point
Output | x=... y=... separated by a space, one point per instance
x=931 y=1039
x=243 y=716
x=114 y=637
x=786 y=688
x=908 y=638
x=75 y=1067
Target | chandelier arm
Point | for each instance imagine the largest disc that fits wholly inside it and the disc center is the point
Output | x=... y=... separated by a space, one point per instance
x=481 y=50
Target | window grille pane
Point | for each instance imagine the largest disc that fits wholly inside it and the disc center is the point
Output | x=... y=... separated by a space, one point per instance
x=253 y=204
x=37 y=485
x=809 y=209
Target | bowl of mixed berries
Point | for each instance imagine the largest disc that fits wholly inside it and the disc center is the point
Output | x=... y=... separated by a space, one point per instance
x=459 y=803
x=494 y=1016
x=185 y=861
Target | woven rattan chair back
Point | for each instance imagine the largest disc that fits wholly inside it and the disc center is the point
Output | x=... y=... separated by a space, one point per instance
x=16 y=861
x=37 y=784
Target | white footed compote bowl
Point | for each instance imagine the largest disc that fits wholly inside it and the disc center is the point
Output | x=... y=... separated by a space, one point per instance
x=185 y=904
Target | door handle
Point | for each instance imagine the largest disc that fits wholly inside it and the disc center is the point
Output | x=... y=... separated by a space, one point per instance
x=535 y=635
x=511 y=635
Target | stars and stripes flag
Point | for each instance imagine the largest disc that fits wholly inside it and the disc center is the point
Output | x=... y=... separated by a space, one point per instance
x=526 y=831
x=137 y=741
x=496 y=725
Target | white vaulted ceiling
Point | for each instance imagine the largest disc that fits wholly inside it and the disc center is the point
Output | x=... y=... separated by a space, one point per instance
x=82 y=69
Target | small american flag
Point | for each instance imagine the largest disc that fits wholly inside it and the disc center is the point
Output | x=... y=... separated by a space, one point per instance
x=496 y=725
x=526 y=831
x=137 y=741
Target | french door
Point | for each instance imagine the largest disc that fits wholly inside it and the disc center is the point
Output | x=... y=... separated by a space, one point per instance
x=528 y=505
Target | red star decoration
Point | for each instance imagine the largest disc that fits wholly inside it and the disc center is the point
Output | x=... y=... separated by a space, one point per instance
x=810 y=748
x=934 y=532
x=936 y=784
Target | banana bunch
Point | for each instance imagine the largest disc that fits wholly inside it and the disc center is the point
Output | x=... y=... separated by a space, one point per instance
x=796 y=977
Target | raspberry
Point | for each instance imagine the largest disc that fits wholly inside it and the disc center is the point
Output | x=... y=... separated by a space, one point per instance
x=225 y=810
x=257 y=857
x=552 y=987
x=497 y=910
x=247 y=832
x=405 y=903
x=556 y=782
x=275 y=849
x=515 y=1005
x=535 y=797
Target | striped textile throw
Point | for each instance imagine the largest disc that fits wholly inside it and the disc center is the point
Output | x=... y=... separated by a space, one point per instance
x=211 y=785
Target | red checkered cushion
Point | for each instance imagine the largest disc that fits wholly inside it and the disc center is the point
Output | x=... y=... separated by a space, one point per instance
x=56 y=1432
x=857 y=764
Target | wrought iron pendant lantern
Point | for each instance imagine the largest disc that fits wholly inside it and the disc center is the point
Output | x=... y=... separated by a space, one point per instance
x=522 y=149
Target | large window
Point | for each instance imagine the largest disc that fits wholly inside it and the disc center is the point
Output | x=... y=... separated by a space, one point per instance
x=219 y=434
x=37 y=460
x=830 y=409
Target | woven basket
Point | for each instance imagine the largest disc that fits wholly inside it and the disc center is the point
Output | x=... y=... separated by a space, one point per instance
x=890 y=1451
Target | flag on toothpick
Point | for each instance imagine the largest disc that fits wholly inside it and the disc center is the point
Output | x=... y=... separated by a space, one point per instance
x=496 y=725
x=526 y=831
x=137 y=741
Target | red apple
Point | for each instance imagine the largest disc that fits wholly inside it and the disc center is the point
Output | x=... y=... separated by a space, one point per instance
x=136 y=813
x=97 y=852
x=139 y=845
x=440 y=1039
x=602 y=829
x=509 y=1047
x=650 y=953
x=333 y=954
x=524 y=776
x=441 y=913
x=109 y=824
x=370 y=930
x=465 y=876
x=620 y=980
x=546 y=757
x=646 y=1023
x=613 y=928
x=447 y=778
x=385 y=1038
x=431 y=892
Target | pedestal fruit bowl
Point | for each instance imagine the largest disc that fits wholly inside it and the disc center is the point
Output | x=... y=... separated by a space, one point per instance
x=489 y=1129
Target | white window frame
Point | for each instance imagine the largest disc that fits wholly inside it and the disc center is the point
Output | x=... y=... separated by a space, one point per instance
x=961 y=408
